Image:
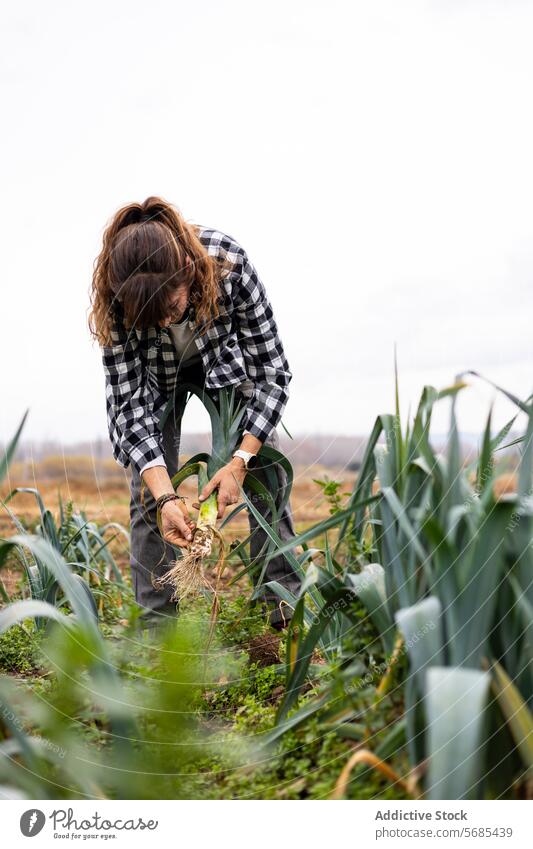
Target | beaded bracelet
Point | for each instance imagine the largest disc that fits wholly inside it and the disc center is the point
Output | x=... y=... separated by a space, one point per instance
x=168 y=496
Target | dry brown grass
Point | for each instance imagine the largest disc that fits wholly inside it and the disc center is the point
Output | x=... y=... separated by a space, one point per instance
x=505 y=484
x=101 y=489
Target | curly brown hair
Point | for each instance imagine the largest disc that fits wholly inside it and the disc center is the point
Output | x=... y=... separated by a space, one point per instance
x=149 y=252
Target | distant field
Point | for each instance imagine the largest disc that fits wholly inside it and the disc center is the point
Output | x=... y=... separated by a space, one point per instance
x=101 y=489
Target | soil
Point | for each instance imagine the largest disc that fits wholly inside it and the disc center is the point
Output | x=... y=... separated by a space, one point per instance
x=264 y=649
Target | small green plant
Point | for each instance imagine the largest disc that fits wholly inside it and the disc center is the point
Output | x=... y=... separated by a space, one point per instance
x=359 y=550
x=18 y=650
x=331 y=492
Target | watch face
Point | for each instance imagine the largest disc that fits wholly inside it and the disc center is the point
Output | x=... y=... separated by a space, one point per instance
x=252 y=462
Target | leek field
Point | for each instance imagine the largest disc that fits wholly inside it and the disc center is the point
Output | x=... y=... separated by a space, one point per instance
x=406 y=671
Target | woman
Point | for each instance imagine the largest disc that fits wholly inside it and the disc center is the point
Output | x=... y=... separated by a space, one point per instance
x=174 y=302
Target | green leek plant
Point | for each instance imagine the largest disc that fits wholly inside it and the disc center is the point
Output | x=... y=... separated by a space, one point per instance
x=450 y=587
x=145 y=726
x=51 y=580
x=101 y=730
x=64 y=587
x=82 y=544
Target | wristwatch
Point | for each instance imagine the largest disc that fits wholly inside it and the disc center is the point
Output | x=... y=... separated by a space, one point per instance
x=250 y=460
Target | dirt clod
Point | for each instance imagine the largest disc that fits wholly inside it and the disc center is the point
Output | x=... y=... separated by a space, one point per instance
x=264 y=649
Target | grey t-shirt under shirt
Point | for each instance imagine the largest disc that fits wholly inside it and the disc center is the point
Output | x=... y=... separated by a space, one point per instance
x=184 y=339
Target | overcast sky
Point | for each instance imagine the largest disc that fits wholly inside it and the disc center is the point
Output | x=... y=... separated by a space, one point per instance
x=373 y=158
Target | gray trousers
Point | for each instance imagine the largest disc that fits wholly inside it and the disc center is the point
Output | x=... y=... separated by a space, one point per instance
x=148 y=549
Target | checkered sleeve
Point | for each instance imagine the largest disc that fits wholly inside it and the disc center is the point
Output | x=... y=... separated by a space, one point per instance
x=130 y=401
x=262 y=349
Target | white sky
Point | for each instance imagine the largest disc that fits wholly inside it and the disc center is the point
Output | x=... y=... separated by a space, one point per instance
x=374 y=159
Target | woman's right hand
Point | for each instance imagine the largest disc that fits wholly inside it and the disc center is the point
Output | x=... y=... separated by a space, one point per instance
x=178 y=527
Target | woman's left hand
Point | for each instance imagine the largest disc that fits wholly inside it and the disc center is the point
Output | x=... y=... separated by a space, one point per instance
x=225 y=480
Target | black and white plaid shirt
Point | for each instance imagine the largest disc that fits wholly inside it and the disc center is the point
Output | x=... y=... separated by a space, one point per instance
x=241 y=347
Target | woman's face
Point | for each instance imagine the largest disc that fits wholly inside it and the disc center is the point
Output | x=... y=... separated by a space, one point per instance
x=176 y=306
x=177 y=303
